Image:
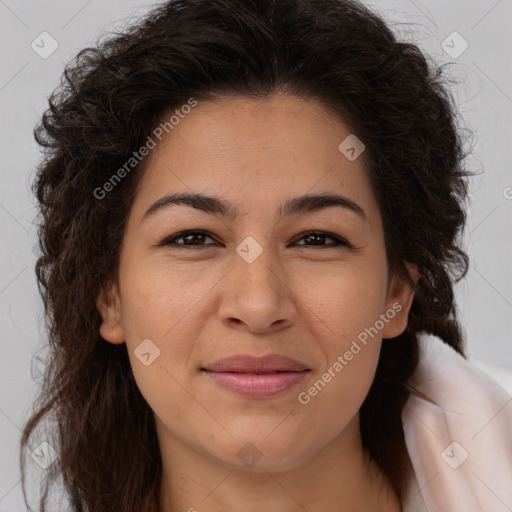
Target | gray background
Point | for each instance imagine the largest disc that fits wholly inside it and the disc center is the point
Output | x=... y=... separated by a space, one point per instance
x=484 y=97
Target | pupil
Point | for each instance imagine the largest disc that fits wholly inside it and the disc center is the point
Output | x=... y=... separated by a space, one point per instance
x=187 y=237
x=317 y=237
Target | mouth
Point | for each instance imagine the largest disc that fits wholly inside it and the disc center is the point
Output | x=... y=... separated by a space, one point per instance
x=249 y=372
x=257 y=384
x=246 y=363
x=252 y=376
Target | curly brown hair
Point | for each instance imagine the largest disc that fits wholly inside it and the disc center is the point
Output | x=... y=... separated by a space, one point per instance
x=112 y=96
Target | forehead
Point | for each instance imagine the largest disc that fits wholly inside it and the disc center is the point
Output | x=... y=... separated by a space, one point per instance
x=255 y=152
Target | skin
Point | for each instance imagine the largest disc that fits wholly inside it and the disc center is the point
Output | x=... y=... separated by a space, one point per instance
x=203 y=303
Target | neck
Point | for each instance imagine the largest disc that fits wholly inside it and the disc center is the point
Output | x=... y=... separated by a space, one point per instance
x=340 y=477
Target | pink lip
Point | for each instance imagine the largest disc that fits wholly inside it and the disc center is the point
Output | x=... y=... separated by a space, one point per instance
x=256 y=376
x=245 y=363
x=257 y=385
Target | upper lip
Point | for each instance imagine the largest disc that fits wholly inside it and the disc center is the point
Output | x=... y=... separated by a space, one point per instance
x=245 y=363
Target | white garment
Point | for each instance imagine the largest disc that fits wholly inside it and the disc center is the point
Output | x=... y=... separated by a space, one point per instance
x=459 y=442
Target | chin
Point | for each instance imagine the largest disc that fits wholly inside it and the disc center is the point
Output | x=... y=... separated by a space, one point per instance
x=261 y=456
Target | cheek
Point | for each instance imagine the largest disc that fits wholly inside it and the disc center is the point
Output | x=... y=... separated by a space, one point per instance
x=167 y=396
x=341 y=386
x=349 y=371
x=159 y=301
x=333 y=400
x=349 y=334
x=160 y=337
x=344 y=301
x=160 y=355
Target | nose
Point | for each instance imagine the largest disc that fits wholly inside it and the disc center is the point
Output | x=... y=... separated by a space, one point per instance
x=257 y=296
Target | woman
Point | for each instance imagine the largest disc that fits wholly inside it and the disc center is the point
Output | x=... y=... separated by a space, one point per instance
x=250 y=229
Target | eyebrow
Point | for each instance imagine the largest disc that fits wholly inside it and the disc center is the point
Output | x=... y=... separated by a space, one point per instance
x=216 y=206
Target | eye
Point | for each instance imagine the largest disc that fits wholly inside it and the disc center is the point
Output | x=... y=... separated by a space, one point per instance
x=316 y=237
x=195 y=238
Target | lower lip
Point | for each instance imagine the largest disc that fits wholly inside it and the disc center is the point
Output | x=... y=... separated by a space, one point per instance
x=262 y=385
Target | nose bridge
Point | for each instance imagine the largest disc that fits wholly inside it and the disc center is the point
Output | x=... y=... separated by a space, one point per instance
x=258 y=261
x=256 y=294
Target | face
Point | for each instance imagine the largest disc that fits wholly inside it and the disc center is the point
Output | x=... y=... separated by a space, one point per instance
x=254 y=282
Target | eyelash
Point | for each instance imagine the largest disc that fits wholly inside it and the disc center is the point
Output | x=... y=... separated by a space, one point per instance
x=339 y=242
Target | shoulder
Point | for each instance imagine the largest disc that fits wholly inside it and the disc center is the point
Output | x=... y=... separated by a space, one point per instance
x=458 y=431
